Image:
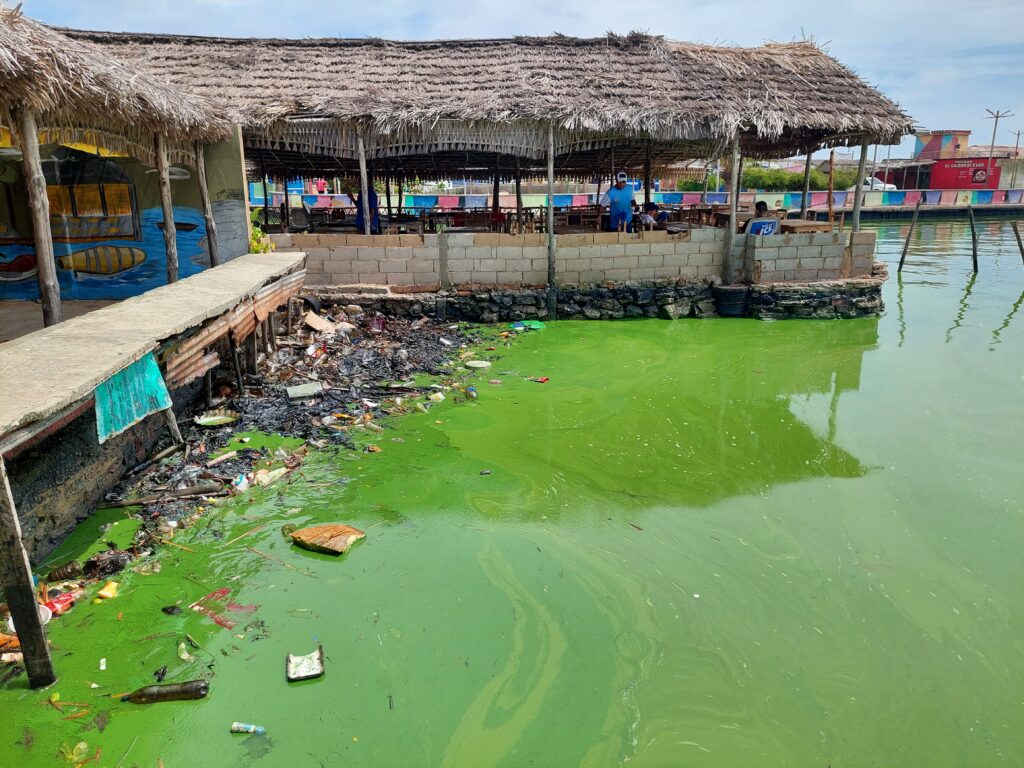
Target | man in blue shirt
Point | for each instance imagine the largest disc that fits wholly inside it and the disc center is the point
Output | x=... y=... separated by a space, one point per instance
x=374 y=211
x=619 y=200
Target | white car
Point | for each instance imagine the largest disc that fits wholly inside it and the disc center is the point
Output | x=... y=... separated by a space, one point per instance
x=874 y=185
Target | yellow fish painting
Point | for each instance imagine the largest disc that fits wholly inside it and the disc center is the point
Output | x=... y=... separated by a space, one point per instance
x=103 y=260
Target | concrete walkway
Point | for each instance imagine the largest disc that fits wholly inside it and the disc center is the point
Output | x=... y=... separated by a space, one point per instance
x=46 y=371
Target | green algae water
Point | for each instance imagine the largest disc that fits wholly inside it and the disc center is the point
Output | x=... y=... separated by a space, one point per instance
x=701 y=543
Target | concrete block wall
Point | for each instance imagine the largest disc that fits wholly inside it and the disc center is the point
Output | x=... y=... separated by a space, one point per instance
x=400 y=260
x=808 y=257
x=486 y=258
x=615 y=257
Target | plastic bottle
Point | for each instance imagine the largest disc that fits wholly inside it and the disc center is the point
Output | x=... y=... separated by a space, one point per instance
x=61 y=603
x=471 y=393
x=193 y=689
x=237 y=727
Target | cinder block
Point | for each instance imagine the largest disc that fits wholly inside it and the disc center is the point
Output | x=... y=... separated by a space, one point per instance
x=606 y=238
x=401 y=278
x=484 y=276
x=535 y=252
x=616 y=275
x=507 y=252
x=535 y=277
x=862 y=238
x=808 y=251
x=510 y=241
x=461 y=238
x=412 y=241
x=360 y=240
x=784 y=264
x=651 y=261
x=625 y=262
x=811 y=263
x=422 y=265
x=706 y=235
x=342 y=278
x=485 y=239
x=393 y=265
x=807 y=274
x=578 y=265
x=642 y=273
x=862 y=266
x=638 y=249
x=712 y=270
x=302 y=241
x=823 y=238
x=592 y=276
x=489 y=265
x=663 y=249
x=610 y=251
x=536 y=239
x=461 y=277
x=370 y=254
x=676 y=259
x=655 y=236
x=477 y=252
x=510 y=278
x=787 y=252
x=371 y=277
x=572 y=241
x=666 y=272
x=425 y=252
x=717 y=247
x=701 y=259
x=519 y=265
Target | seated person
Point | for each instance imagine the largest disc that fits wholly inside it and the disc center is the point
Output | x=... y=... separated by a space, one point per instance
x=763 y=223
x=653 y=217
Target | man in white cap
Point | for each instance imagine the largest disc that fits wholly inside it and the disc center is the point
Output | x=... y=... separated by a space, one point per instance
x=619 y=201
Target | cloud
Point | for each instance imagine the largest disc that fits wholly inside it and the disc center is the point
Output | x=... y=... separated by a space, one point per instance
x=945 y=61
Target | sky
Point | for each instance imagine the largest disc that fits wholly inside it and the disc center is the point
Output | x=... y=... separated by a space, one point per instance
x=944 y=62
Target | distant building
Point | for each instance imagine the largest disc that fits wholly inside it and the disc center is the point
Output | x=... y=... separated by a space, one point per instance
x=945 y=160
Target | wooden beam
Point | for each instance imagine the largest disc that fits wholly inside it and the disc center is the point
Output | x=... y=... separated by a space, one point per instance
x=495 y=208
x=519 y=195
x=204 y=198
x=364 y=184
x=804 y=201
x=552 y=248
x=170 y=235
x=39 y=206
x=858 y=195
x=647 y=174
x=730 y=234
x=16 y=578
x=387 y=189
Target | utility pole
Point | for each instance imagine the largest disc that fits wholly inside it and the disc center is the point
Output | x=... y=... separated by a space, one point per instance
x=1016 y=155
x=995 y=116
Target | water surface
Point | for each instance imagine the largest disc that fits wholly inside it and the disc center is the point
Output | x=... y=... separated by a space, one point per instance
x=702 y=543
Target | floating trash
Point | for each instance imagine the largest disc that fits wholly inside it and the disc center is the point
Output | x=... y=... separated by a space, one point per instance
x=305 y=667
x=331 y=538
x=478 y=363
x=217 y=417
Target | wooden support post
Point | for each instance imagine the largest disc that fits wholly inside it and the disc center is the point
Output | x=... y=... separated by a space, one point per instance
x=172 y=426
x=858 y=194
x=910 y=234
x=16 y=579
x=730 y=234
x=1020 y=243
x=552 y=247
x=364 y=184
x=495 y=207
x=39 y=205
x=266 y=197
x=204 y=198
x=519 y=196
x=170 y=235
x=387 y=191
x=208 y=389
x=597 y=200
x=251 y=353
x=236 y=359
x=832 y=187
x=647 y=174
x=805 y=203
x=272 y=328
x=974 y=238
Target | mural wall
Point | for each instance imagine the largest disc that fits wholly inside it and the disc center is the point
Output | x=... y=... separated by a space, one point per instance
x=106 y=222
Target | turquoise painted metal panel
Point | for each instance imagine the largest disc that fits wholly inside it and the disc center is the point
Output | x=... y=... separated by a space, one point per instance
x=129 y=396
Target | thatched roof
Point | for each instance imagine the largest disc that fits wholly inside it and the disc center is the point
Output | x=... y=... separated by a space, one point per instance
x=466 y=96
x=82 y=93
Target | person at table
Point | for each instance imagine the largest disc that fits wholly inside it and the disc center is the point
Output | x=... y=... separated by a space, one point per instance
x=653 y=217
x=619 y=202
x=374 y=211
x=763 y=222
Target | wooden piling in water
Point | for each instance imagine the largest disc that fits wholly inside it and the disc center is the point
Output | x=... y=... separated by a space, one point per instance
x=910 y=234
x=1020 y=243
x=974 y=238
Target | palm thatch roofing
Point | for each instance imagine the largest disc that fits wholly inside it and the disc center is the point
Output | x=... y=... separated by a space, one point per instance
x=81 y=94
x=426 y=105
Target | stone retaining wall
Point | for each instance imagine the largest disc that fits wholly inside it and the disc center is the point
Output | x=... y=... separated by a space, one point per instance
x=485 y=259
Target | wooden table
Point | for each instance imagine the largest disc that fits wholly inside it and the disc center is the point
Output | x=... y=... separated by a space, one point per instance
x=795 y=226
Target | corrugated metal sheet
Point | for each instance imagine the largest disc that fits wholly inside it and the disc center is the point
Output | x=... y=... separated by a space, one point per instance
x=129 y=396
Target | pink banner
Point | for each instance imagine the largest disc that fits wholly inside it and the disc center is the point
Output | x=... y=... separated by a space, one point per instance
x=448 y=202
x=691 y=198
x=819 y=199
x=578 y=200
x=948 y=197
x=912 y=197
x=999 y=196
x=746 y=197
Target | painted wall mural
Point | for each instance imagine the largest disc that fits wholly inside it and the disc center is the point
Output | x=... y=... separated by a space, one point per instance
x=106 y=225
